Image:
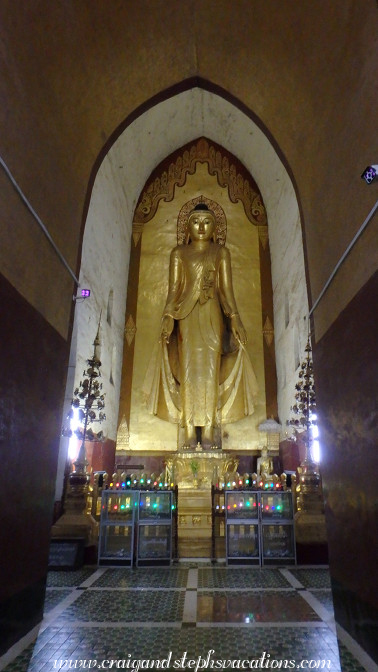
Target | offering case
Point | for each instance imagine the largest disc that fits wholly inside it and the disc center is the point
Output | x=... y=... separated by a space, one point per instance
x=155 y=529
x=117 y=525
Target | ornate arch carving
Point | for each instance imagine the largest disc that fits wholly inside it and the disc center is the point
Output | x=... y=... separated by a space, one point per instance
x=173 y=173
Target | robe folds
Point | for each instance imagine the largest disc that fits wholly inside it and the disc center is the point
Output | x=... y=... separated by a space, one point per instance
x=203 y=376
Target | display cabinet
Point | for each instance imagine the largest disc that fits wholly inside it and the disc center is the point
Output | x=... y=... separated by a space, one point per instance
x=241 y=505
x=242 y=527
x=277 y=528
x=259 y=527
x=217 y=524
x=155 y=527
x=138 y=524
x=278 y=544
x=276 y=506
x=117 y=525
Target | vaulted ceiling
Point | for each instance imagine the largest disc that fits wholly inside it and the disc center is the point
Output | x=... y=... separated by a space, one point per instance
x=73 y=74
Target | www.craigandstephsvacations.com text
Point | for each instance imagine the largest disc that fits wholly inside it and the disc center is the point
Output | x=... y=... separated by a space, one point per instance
x=185 y=662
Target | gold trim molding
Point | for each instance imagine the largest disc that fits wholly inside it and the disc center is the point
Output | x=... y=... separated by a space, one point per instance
x=268 y=331
x=130 y=330
x=263 y=236
x=123 y=436
x=137 y=230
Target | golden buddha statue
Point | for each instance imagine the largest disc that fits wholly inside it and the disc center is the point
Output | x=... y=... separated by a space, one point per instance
x=200 y=328
x=264 y=462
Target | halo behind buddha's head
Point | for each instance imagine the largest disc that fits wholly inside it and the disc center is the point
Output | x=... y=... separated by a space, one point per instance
x=206 y=206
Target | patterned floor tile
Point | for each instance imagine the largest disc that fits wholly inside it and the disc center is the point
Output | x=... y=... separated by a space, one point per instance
x=53 y=597
x=312 y=578
x=132 y=643
x=69 y=578
x=109 y=605
x=147 y=577
x=348 y=662
x=325 y=597
x=231 y=577
x=260 y=607
x=21 y=663
x=251 y=610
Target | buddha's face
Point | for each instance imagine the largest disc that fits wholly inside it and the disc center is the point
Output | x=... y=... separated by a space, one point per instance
x=201 y=226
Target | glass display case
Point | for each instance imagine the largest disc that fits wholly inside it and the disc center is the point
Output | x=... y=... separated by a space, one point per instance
x=141 y=519
x=242 y=527
x=241 y=505
x=278 y=545
x=277 y=528
x=242 y=543
x=117 y=524
x=155 y=505
x=154 y=546
x=276 y=506
x=259 y=527
x=217 y=524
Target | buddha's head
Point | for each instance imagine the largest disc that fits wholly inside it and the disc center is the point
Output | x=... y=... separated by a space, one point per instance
x=201 y=224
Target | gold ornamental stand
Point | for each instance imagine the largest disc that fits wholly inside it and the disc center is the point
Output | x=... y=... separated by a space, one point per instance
x=195 y=472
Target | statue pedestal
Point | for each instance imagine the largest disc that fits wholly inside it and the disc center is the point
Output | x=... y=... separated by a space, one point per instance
x=310 y=528
x=311 y=538
x=75 y=521
x=195 y=472
x=194 y=523
x=310 y=525
x=76 y=525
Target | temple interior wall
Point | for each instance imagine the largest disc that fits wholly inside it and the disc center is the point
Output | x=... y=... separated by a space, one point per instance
x=73 y=77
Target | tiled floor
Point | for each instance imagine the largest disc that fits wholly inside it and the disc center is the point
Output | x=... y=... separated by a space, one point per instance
x=200 y=612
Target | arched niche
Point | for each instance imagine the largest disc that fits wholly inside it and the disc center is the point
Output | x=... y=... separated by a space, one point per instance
x=158 y=130
x=200 y=171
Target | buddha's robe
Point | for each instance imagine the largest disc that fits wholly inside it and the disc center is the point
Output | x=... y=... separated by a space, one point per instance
x=188 y=382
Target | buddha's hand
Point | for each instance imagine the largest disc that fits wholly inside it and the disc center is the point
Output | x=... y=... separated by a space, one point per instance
x=238 y=330
x=167 y=324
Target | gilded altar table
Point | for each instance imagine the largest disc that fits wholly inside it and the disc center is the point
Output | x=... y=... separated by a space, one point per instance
x=195 y=472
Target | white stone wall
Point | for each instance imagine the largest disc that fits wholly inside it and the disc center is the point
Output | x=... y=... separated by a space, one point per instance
x=290 y=306
x=104 y=269
x=231 y=128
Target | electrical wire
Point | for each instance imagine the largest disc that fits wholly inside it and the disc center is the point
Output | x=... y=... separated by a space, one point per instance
x=342 y=258
x=38 y=220
x=69 y=269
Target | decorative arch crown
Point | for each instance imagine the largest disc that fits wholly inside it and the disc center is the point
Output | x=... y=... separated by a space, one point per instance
x=173 y=172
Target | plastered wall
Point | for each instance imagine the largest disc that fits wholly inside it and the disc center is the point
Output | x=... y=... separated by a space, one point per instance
x=73 y=75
